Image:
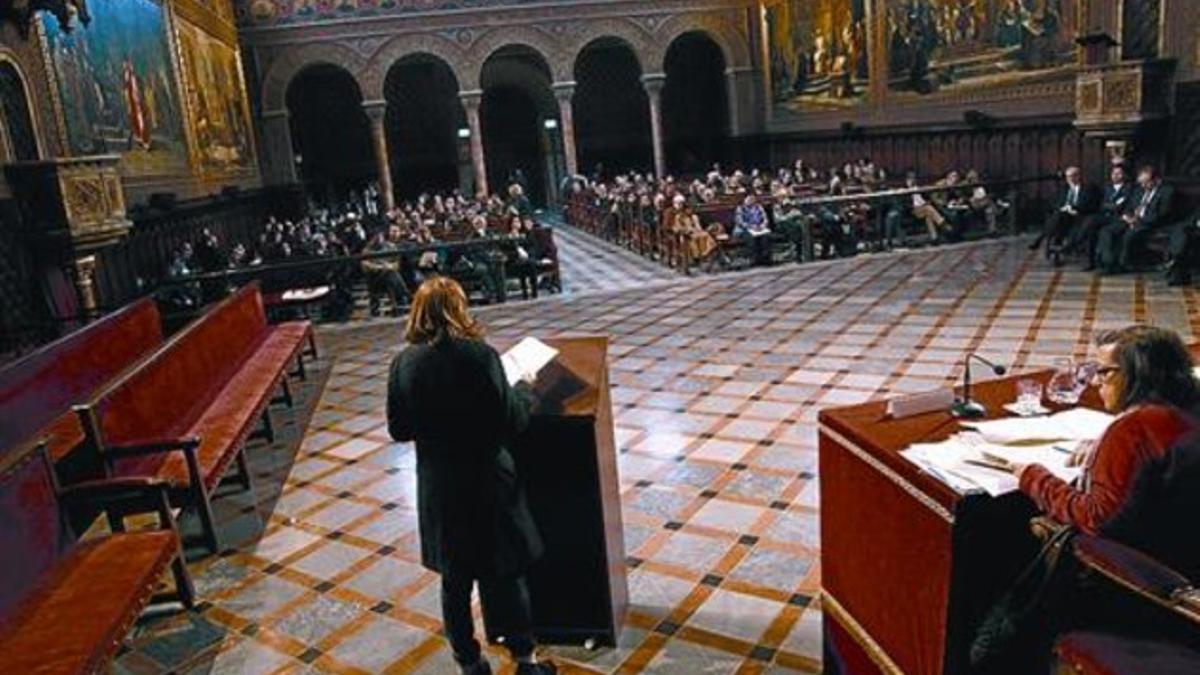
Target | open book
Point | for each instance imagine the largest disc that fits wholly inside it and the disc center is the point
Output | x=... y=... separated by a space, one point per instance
x=526 y=359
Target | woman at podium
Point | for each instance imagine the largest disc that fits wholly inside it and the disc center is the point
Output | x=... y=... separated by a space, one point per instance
x=448 y=392
x=1144 y=375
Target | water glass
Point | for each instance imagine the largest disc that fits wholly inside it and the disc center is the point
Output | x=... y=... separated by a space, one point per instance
x=1065 y=386
x=1029 y=395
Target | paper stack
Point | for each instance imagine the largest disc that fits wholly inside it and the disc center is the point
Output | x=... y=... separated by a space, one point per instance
x=977 y=460
x=526 y=359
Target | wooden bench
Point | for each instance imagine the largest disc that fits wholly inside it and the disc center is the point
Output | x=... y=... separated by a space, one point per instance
x=37 y=392
x=184 y=414
x=66 y=605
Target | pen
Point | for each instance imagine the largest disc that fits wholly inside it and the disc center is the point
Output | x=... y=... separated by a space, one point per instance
x=1062 y=449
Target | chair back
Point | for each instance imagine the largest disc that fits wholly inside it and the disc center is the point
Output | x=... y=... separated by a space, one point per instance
x=1158 y=517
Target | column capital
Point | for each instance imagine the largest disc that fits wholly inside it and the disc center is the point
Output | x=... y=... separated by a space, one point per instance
x=471 y=98
x=376 y=110
x=654 y=82
x=564 y=91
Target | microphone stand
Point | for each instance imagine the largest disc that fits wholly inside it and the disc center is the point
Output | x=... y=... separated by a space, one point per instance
x=965 y=408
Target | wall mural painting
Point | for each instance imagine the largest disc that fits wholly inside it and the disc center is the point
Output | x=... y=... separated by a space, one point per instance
x=217 y=108
x=274 y=12
x=117 y=86
x=936 y=45
x=819 y=53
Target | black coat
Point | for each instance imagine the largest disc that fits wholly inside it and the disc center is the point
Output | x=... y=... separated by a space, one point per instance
x=453 y=399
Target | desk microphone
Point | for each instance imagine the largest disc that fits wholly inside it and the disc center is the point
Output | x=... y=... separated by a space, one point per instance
x=965 y=407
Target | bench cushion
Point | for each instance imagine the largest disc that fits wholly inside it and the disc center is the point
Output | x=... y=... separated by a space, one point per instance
x=77 y=616
x=1091 y=653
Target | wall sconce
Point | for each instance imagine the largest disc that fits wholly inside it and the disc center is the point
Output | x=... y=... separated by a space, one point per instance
x=550 y=124
x=464 y=133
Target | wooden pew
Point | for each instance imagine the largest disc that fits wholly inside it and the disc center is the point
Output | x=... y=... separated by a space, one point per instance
x=66 y=605
x=184 y=413
x=37 y=392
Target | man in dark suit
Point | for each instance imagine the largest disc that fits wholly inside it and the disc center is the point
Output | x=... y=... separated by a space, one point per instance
x=1182 y=250
x=1076 y=202
x=1115 y=203
x=1124 y=241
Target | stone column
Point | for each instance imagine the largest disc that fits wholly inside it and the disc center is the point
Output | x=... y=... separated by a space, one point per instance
x=565 y=93
x=471 y=101
x=653 y=84
x=279 y=156
x=377 y=112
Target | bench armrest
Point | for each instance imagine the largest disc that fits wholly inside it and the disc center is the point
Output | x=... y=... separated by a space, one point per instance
x=1139 y=573
x=153 y=447
x=129 y=495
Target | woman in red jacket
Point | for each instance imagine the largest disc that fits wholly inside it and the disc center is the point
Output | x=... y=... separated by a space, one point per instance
x=1145 y=377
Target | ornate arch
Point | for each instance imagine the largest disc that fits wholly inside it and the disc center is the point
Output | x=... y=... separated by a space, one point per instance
x=31 y=103
x=626 y=31
x=720 y=29
x=287 y=65
x=550 y=49
x=376 y=70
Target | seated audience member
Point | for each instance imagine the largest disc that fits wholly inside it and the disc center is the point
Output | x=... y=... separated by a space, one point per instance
x=383 y=274
x=1123 y=242
x=1114 y=203
x=750 y=225
x=1145 y=377
x=950 y=201
x=1182 y=250
x=1075 y=203
x=791 y=223
x=924 y=210
x=698 y=243
x=982 y=204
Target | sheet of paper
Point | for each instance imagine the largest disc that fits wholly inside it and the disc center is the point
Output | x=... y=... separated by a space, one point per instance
x=957 y=462
x=526 y=359
x=1076 y=424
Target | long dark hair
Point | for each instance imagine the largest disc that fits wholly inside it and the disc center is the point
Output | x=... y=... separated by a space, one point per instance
x=1156 y=364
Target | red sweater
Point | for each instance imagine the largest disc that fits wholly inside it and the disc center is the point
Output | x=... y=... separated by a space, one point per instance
x=1139 y=435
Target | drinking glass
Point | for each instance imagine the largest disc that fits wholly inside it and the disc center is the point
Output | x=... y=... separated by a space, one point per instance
x=1065 y=387
x=1029 y=395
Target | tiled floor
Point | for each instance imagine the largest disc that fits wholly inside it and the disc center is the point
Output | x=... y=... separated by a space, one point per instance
x=716 y=383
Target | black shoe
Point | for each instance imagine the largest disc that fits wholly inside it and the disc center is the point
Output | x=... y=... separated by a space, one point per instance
x=1036 y=243
x=539 y=668
x=480 y=667
x=1090 y=267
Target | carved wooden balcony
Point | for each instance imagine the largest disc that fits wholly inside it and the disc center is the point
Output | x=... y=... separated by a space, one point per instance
x=72 y=206
x=1118 y=98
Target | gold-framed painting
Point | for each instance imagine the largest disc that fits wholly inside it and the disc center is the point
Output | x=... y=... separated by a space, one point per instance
x=819 y=53
x=115 y=88
x=945 y=45
x=217 y=108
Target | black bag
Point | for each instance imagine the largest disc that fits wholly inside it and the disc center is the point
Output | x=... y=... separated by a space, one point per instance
x=1016 y=633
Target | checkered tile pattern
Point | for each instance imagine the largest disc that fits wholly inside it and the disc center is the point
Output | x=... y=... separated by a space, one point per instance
x=716 y=386
x=590 y=264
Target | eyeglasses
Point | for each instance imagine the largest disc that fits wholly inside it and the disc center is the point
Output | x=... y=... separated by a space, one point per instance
x=1101 y=373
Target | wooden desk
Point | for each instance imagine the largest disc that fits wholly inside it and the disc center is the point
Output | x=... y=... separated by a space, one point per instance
x=568 y=462
x=908 y=565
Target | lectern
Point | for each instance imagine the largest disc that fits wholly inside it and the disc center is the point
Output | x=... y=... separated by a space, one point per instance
x=567 y=462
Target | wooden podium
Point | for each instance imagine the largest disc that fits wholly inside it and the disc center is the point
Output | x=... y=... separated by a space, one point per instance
x=567 y=462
